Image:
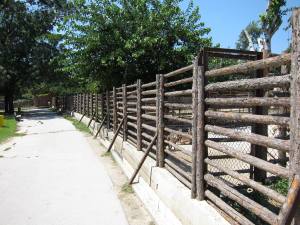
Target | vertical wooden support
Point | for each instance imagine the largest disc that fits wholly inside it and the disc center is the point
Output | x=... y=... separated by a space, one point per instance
x=160 y=119
x=83 y=104
x=107 y=110
x=93 y=104
x=157 y=116
x=102 y=105
x=201 y=135
x=97 y=106
x=78 y=104
x=262 y=129
x=295 y=103
x=139 y=115
x=124 y=112
x=87 y=104
x=114 y=110
x=194 y=128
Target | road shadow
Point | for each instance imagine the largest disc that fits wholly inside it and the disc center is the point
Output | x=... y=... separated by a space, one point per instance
x=39 y=114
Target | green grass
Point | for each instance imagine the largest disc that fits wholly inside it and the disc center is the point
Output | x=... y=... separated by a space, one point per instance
x=79 y=126
x=9 y=129
x=127 y=188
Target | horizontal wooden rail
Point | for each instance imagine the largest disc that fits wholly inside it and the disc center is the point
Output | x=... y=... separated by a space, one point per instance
x=241 y=199
x=255 y=185
x=246 y=117
x=149 y=117
x=256 y=139
x=178 y=132
x=251 y=66
x=248 y=101
x=179 y=93
x=179 y=71
x=148 y=127
x=250 y=84
x=259 y=163
x=148 y=99
x=178 y=105
x=227 y=209
x=178 y=119
x=149 y=92
x=148 y=84
x=182 y=81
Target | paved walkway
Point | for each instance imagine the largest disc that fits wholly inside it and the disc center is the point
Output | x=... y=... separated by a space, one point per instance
x=51 y=176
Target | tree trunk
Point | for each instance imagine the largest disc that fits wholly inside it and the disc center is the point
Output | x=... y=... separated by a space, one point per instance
x=9 y=103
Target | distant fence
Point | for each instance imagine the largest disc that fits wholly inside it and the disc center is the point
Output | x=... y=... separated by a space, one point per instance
x=229 y=134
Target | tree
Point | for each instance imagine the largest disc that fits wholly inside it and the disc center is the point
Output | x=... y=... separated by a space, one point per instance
x=254 y=31
x=271 y=20
x=26 y=48
x=113 y=42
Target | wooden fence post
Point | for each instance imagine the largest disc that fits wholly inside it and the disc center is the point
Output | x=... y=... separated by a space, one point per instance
x=96 y=106
x=102 y=105
x=139 y=115
x=124 y=112
x=194 y=128
x=114 y=110
x=107 y=109
x=201 y=135
x=262 y=129
x=295 y=103
x=160 y=120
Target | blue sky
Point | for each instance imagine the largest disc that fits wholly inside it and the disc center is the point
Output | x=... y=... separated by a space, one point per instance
x=227 y=18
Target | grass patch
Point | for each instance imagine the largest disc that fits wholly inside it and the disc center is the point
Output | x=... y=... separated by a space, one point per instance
x=8 y=129
x=106 y=154
x=127 y=188
x=79 y=126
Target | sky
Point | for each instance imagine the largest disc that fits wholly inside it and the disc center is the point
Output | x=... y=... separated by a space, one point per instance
x=227 y=18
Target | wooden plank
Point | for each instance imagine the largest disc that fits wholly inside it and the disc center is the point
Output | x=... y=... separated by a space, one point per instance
x=149 y=147
x=201 y=135
x=251 y=84
x=295 y=106
x=114 y=110
x=227 y=209
x=255 y=185
x=138 y=115
x=160 y=124
x=257 y=139
x=248 y=101
x=179 y=71
x=251 y=66
x=125 y=112
x=194 y=127
x=259 y=163
x=289 y=208
x=116 y=134
x=241 y=199
x=101 y=124
x=246 y=117
x=179 y=93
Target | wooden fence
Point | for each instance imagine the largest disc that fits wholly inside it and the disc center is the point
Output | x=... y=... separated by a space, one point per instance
x=213 y=128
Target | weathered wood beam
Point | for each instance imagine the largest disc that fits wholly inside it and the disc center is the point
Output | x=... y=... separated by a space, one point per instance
x=259 y=163
x=251 y=66
x=250 y=84
x=257 y=139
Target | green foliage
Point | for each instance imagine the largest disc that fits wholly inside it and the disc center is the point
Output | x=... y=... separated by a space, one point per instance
x=111 y=42
x=254 y=30
x=281 y=185
x=272 y=19
x=127 y=188
x=9 y=129
x=28 y=48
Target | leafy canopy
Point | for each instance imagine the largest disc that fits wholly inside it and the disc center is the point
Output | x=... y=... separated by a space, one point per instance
x=112 y=42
